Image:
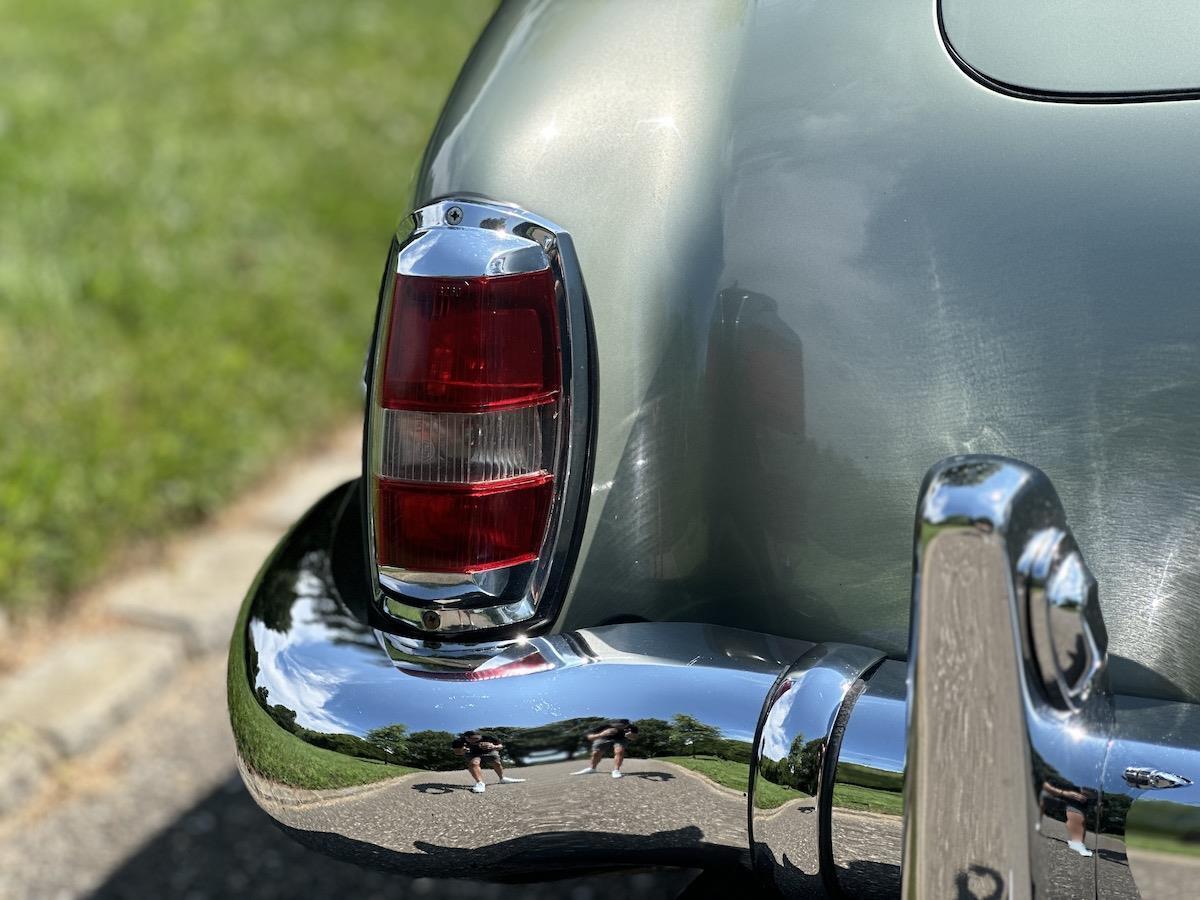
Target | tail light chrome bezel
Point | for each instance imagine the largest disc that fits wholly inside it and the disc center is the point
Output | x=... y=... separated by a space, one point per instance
x=473 y=238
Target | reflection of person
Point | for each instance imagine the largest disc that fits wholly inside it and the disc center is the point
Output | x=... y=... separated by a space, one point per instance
x=1076 y=803
x=612 y=736
x=477 y=749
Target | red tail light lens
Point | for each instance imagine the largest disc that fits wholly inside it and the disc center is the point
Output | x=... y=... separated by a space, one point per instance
x=461 y=528
x=470 y=344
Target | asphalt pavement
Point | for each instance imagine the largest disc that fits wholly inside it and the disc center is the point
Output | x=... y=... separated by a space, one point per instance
x=655 y=808
x=157 y=810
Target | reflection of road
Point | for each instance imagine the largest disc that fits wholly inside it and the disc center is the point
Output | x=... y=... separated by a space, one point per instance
x=157 y=811
x=866 y=850
x=1159 y=876
x=437 y=823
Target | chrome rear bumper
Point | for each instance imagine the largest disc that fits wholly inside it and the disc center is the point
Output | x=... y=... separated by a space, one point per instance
x=777 y=755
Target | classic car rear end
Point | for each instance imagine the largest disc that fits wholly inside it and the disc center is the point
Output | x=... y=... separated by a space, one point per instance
x=693 y=298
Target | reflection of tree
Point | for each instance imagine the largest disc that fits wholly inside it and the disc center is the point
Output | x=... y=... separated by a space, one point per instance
x=347 y=744
x=284 y=717
x=273 y=605
x=696 y=736
x=735 y=751
x=653 y=739
x=431 y=750
x=799 y=769
x=657 y=737
x=1114 y=813
x=804 y=763
x=391 y=739
x=307 y=588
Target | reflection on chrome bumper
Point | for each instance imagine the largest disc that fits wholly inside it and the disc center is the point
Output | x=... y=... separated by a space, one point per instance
x=736 y=748
x=345 y=734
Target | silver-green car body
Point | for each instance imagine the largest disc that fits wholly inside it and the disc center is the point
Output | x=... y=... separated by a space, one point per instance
x=882 y=492
x=819 y=256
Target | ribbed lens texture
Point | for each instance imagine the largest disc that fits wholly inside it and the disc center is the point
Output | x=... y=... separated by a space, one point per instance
x=468 y=528
x=466 y=419
x=468 y=344
x=450 y=448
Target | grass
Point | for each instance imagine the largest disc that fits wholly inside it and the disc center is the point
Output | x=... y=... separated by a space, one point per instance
x=1158 y=825
x=867 y=788
x=279 y=755
x=736 y=775
x=1162 y=843
x=854 y=796
x=198 y=199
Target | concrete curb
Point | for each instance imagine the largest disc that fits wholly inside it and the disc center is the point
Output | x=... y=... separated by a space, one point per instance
x=25 y=760
x=85 y=685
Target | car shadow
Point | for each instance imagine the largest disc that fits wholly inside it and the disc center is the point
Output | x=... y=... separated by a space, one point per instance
x=225 y=846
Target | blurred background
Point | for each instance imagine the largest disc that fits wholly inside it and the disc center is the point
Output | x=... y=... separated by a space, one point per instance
x=198 y=198
x=197 y=202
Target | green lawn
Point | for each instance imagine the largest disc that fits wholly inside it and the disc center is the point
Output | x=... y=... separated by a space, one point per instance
x=863 y=787
x=1162 y=843
x=197 y=200
x=854 y=796
x=736 y=775
x=770 y=796
x=1157 y=824
x=279 y=755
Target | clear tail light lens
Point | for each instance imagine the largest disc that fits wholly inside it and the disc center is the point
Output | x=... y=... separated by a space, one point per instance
x=471 y=417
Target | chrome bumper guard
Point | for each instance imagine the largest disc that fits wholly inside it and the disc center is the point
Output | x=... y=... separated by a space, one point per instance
x=1025 y=775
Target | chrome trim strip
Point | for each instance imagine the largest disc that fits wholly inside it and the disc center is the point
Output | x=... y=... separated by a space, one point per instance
x=867 y=824
x=796 y=752
x=455 y=620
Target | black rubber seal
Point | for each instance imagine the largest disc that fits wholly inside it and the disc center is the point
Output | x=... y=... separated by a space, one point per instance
x=1049 y=96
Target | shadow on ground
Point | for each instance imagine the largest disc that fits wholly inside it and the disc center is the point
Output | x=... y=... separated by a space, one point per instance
x=226 y=846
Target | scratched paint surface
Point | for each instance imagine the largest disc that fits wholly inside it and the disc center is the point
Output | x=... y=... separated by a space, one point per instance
x=820 y=259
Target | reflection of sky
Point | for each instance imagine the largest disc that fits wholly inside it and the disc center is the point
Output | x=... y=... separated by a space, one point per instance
x=348 y=687
x=1072 y=751
x=776 y=741
x=986 y=499
x=875 y=736
x=305 y=669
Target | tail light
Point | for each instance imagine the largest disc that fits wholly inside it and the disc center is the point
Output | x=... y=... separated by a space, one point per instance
x=479 y=420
